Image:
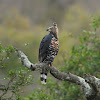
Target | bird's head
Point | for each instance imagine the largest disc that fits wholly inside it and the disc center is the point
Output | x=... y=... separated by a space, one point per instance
x=53 y=29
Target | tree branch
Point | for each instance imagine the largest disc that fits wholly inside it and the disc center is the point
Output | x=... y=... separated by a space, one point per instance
x=95 y=83
x=7 y=88
x=89 y=91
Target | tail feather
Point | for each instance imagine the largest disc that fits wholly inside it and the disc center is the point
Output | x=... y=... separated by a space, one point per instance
x=43 y=78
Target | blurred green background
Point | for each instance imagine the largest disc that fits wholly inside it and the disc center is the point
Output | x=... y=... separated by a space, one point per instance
x=23 y=24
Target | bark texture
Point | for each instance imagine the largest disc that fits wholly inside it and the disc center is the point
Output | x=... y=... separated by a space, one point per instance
x=90 y=84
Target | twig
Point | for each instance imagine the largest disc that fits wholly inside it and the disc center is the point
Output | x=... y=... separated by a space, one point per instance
x=8 y=86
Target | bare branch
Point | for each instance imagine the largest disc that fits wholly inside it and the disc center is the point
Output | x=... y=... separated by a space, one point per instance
x=89 y=91
x=95 y=83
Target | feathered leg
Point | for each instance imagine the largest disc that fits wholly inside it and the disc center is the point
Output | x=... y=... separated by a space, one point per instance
x=43 y=78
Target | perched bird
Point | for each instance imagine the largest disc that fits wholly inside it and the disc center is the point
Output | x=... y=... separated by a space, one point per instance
x=48 y=49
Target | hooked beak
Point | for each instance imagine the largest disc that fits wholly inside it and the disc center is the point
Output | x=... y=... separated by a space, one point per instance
x=48 y=29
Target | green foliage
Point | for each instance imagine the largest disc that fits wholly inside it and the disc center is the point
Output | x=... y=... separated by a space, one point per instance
x=5 y=53
x=95 y=21
x=85 y=58
x=18 y=79
x=82 y=58
x=39 y=95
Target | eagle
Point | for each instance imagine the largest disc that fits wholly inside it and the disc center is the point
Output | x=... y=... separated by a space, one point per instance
x=48 y=49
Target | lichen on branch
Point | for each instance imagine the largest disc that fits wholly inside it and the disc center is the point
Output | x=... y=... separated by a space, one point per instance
x=88 y=89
